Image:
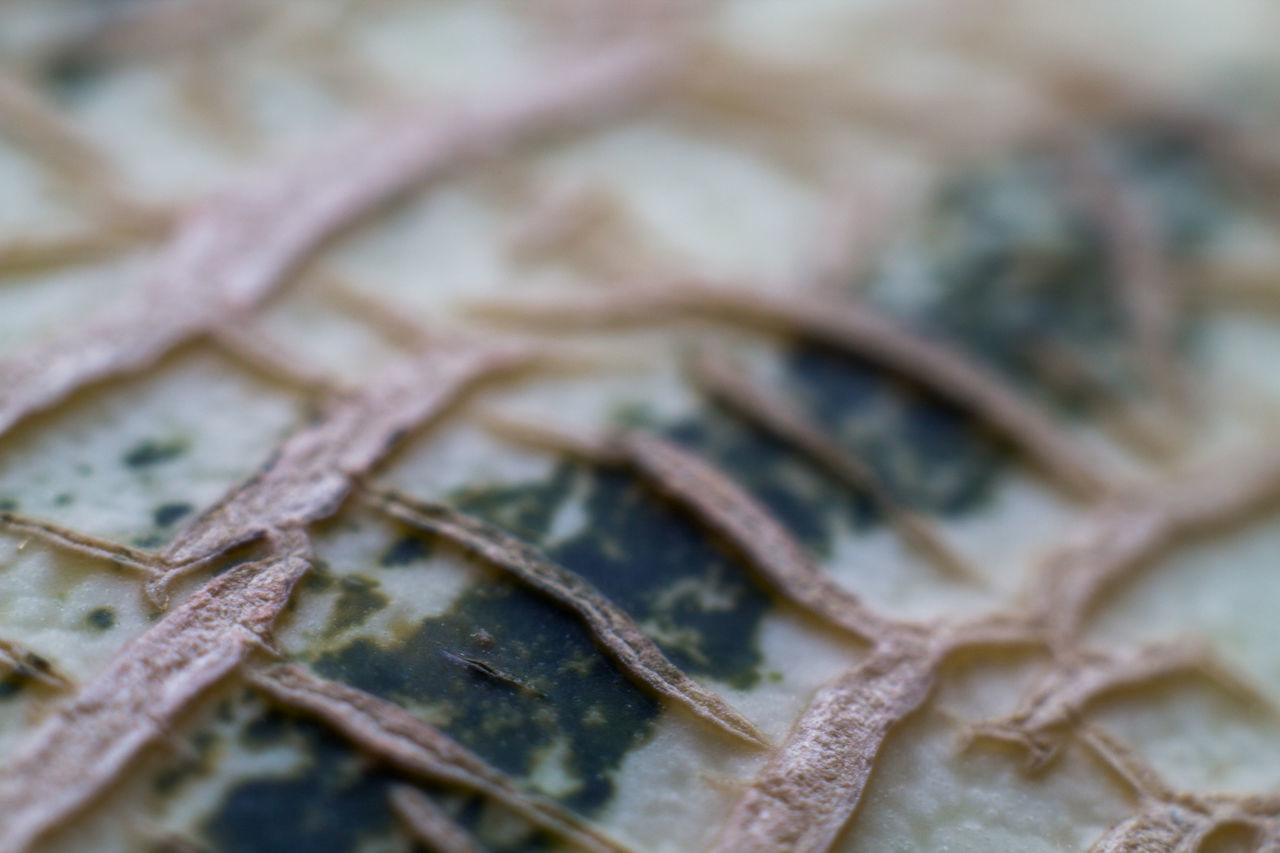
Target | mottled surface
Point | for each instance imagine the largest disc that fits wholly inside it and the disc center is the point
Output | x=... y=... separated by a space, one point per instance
x=998 y=254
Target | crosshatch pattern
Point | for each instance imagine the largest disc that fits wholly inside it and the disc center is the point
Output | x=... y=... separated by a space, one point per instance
x=1029 y=306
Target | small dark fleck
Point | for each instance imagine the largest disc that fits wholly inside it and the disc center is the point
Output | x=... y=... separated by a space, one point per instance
x=101 y=618
x=63 y=499
x=8 y=505
x=167 y=514
x=149 y=541
x=153 y=452
x=404 y=551
x=36 y=662
x=485 y=669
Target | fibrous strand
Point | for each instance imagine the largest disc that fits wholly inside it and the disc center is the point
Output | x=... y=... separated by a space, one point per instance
x=613 y=628
x=394 y=735
x=760 y=539
x=1044 y=716
x=79 y=752
x=230 y=253
x=430 y=825
x=786 y=422
x=311 y=474
x=804 y=796
x=846 y=326
x=1127 y=530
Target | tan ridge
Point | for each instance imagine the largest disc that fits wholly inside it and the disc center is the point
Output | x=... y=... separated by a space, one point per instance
x=36 y=253
x=80 y=543
x=430 y=825
x=1045 y=716
x=18 y=660
x=762 y=541
x=312 y=472
x=79 y=752
x=229 y=254
x=781 y=808
x=225 y=258
x=1166 y=820
x=1142 y=427
x=613 y=629
x=806 y=794
x=785 y=421
x=394 y=735
x=1127 y=530
x=27 y=119
x=847 y=326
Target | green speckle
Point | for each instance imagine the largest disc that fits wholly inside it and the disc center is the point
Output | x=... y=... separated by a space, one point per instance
x=552 y=672
x=167 y=514
x=8 y=505
x=101 y=618
x=511 y=674
x=1004 y=259
x=151 y=452
x=358 y=599
x=63 y=499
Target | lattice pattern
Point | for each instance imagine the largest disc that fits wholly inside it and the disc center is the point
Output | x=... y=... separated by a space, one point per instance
x=218 y=261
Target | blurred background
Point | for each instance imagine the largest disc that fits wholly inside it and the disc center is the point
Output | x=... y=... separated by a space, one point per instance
x=221 y=219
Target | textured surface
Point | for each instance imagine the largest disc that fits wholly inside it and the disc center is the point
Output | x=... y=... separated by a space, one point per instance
x=743 y=425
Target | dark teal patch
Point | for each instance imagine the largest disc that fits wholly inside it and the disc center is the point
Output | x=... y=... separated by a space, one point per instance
x=358 y=599
x=337 y=802
x=540 y=679
x=331 y=806
x=926 y=454
x=1176 y=178
x=807 y=503
x=1012 y=261
x=166 y=514
x=660 y=566
x=1020 y=263
x=1012 y=258
x=101 y=618
x=69 y=74
x=647 y=557
x=63 y=499
x=409 y=548
x=525 y=509
x=9 y=504
x=319 y=578
x=151 y=452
